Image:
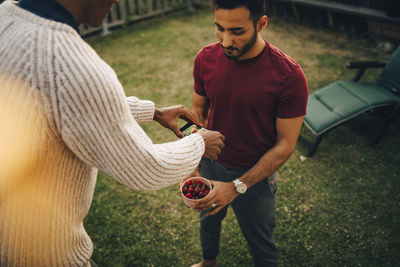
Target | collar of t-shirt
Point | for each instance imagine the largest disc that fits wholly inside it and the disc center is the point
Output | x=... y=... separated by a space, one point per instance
x=50 y=9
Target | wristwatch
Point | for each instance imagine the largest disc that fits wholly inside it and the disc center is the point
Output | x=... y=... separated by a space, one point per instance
x=240 y=186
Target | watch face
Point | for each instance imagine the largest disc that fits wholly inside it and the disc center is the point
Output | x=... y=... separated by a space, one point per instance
x=241 y=188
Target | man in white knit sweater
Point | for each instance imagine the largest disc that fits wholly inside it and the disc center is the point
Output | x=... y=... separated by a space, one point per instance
x=79 y=121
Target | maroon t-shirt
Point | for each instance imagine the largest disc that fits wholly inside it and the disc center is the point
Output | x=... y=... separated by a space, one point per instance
x=246 y=97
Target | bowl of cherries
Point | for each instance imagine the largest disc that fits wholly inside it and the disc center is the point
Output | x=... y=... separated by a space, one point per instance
x=193 y=189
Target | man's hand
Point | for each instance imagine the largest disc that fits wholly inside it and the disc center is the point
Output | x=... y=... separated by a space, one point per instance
x=168 y=117
x=222 y=194
x=214 y=143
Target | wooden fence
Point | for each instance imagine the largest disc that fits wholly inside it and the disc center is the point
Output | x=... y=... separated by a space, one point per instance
x=127 y=11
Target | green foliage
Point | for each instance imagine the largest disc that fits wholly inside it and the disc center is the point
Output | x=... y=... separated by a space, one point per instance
x=145 y=9
x=338 y=208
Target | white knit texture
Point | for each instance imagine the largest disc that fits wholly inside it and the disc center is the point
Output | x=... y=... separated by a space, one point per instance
x=80 y=120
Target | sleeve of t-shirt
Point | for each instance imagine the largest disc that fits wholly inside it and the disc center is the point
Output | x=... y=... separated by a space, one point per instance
x=198 y=81
x=293 y=99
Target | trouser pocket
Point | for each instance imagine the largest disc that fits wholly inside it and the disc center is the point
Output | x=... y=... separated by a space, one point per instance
x=273 y=183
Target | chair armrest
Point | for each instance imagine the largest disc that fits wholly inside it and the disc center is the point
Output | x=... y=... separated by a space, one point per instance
x=362 y=66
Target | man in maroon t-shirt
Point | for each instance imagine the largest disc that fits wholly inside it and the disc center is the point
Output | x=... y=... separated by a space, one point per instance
x=256 y=96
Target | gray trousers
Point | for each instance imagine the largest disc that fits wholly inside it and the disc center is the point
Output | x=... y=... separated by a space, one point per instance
x=255 y=212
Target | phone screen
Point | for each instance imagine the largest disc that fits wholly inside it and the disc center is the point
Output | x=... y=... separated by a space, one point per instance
x=188 y=127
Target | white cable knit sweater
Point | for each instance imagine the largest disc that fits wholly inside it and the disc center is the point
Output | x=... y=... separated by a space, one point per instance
x=80 y=120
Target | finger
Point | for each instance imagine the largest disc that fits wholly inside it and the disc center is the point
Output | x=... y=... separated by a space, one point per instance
x=214 y=211
x=189 y=115
x=177 y=132
x=222 y=137
x=205 y=202
x=223 y=143
x=209 y=207
x=206 y=205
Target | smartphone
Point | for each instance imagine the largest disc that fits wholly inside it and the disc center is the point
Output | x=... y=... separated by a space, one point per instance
x=187 y=128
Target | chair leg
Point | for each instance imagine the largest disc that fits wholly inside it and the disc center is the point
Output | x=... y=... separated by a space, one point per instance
x=385 y=125
x=315 y=145
x=312 y=146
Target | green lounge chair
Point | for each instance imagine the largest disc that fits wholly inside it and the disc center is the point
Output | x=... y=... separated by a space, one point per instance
x=341 y=101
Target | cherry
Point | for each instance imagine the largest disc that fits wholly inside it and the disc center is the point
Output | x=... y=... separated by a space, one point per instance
x=195 y=189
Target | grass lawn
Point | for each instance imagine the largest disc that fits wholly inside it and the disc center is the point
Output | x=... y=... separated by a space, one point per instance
x=338 y=208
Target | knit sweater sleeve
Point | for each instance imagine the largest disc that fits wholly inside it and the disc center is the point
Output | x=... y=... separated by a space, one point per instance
x=95 y=122
x=141 y=110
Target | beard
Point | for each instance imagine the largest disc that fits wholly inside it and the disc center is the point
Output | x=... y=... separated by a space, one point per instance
x=240 y=51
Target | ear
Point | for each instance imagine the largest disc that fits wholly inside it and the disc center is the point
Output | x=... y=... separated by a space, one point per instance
x=262 y=23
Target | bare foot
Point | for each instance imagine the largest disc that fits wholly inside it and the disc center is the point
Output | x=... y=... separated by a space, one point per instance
x=206 y=263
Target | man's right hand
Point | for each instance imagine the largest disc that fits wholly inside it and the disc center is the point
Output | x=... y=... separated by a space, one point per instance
x=214 y=143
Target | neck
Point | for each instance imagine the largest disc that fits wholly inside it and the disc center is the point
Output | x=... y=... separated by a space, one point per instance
x=256 y=49
x=74 y=8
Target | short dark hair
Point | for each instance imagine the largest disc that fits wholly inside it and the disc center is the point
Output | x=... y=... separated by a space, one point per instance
x=257 y=8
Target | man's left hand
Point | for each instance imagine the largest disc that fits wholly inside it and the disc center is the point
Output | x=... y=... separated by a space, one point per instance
x=222 y=195
x=168 y=117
